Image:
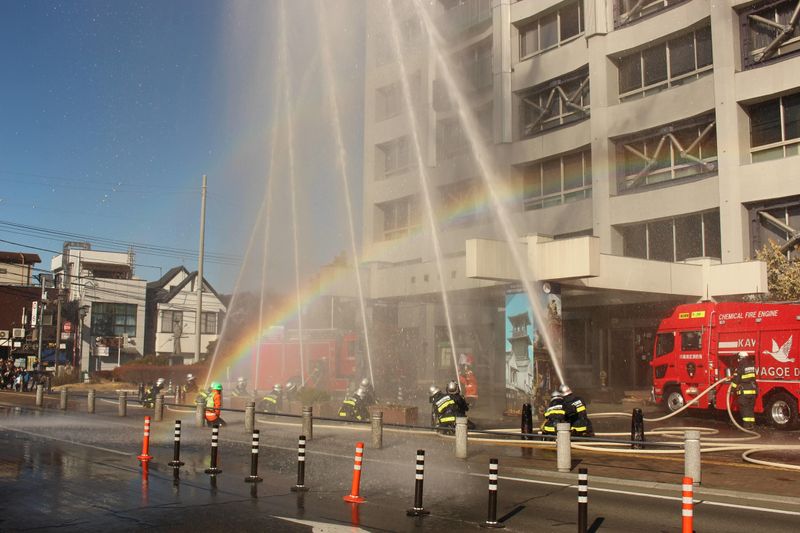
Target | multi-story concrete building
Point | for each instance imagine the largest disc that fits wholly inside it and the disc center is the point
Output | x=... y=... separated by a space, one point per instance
x=648 y=149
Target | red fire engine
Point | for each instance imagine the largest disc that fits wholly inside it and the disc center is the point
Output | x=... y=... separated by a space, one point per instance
x=329 y=357
x=698 y=344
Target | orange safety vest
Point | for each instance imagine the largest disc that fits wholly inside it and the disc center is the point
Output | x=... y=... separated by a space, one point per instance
x=213 y=405
x=469 y=384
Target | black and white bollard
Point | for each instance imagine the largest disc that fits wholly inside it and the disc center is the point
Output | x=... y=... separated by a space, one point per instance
x=90 y=401
x=419 y=478
x=526 y=427
x=583 y=500
x=176 y=451
x=122 y=405
x=253 y=477
x=301 y=465
x=63 y=399
x=491 y=518
x=213 y=469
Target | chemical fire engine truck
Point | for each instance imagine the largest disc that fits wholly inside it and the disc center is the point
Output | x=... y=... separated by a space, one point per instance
x=329 y=358
x=698 y=344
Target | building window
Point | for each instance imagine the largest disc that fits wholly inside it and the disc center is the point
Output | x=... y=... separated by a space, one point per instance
x=475 y=65
x=399 y=217
x=171 y=321
x=555 y=103
x=674 y=239
x=775 y=128
x=208 y=323
x=681 y=150
x=388 y=100
x=558 y=181
x=665 y=65
x=626 y=11
x=551 y=30
x=113 y=320
x=769 y=30
x=450 y=138
x=394 y=156
x=778 y=222
x=464 y=17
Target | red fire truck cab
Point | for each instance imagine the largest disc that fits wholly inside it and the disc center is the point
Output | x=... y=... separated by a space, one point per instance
x=329 y=359
x=698 y=344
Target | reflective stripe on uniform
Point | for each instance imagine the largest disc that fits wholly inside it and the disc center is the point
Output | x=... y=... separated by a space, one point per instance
x=748 y=376
x=447 y=419
x=581 y=409
x=579 y=428
x=554 y=412
x=748 y=419
x=445 y=405
x=271 y=399
x=748 y=392
x=349 y=402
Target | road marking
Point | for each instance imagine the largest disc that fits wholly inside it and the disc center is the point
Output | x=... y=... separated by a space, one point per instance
x=323 y=527
x=646 y=495
x=67 y=441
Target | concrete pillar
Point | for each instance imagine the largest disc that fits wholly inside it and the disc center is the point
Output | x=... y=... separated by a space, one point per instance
x=308 y=422
x=64 y=398
x=122 y=404
x=249 y=417
x=199 y=412
x=461 y=437
x=377 y=430
x=691 y=455
x=563 y=447
x=39 y=395
x=159 y=408
x=90 y=401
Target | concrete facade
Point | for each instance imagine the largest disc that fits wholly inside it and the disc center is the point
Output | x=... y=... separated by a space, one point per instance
x=634 y=140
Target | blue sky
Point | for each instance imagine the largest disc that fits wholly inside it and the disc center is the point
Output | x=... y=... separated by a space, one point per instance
x=110 y=112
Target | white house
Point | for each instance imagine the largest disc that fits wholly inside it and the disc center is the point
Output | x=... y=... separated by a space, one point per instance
x=171 y=312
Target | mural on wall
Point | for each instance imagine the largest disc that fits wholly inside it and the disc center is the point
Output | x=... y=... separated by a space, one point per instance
x=529 y=373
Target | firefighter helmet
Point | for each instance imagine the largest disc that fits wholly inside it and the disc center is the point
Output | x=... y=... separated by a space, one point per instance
x=216 y=386
x=556 y=394
x=452 y=387
x=290 y=386
x=240 y=380
x=189 y=377
x=276 y=387
x=743 y=355
x=160 y=381
x=433 y=390
x=365 y=382
x=565 y=390
x=361 y=392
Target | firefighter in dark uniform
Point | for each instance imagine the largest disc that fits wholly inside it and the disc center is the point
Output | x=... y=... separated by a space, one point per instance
x=369 y=392
x=554 y=414
x=271 y=403
x=240 y=389
x=744 y=384
x=445 y=410
x=575 y=413
x=461 y=404
x=354 y=408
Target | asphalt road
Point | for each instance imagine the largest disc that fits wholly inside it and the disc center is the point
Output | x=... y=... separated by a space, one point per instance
x=75 y=472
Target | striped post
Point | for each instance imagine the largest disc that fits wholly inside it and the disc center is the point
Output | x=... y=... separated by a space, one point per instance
x=253 y=477
x=301 y=465
x=354 y=496
x=687 y=506
x=418 y=510
x=213 y=469
x=583 y=500
x=491 y=518
x=145 y=455
x=176 y=451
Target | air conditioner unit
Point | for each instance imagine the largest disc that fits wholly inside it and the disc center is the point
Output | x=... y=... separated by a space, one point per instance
x=19 y=333
x=4 y=334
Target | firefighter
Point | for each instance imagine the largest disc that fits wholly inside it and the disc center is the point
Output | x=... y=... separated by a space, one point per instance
x=290 y=391
x=575 y=413
x=554 y=414
x=272 y=402
x=434 y=394
x=214 y=405
x=445 y=409
x=461 y=404
x=369 y=392
x=744 y=383
x=150 y=396
x=469 y=384
x=190 y=385
x=241 y=388
x=354 y=408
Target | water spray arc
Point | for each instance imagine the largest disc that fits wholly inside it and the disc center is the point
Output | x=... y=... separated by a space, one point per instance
x=482 y=157
x=325 y=44
x=284 y=63
x=424 y=179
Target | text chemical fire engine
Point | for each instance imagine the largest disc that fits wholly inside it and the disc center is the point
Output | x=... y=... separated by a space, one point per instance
x=698 y=344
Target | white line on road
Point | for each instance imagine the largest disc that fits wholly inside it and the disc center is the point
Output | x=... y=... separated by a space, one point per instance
x=67 y=441
x=646 y=495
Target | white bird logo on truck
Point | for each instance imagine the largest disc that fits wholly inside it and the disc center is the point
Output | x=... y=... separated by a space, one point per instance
x=782 y=353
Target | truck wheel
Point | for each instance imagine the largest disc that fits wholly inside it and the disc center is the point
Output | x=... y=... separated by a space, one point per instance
x=781 y=411
x=673 y=400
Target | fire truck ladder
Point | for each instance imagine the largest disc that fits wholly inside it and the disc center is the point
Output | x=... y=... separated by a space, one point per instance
x=794 y=235
x=784 y=32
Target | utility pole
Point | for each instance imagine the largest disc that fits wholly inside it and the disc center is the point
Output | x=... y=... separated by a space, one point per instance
x=199 y=281
x=58 y=326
